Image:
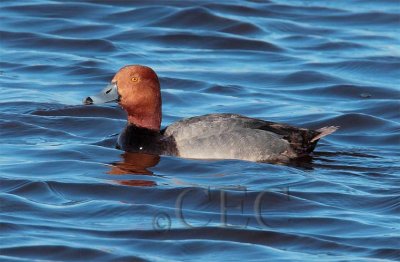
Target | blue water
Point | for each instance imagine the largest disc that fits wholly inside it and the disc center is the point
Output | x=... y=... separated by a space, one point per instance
x=68 y=194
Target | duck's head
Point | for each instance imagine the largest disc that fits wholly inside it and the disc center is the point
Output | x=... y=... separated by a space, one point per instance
x=137 y=89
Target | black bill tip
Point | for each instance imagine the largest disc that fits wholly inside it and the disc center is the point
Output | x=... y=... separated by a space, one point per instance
x=88 y=101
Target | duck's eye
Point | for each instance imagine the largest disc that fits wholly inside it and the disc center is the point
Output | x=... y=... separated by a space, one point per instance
x=135 y=79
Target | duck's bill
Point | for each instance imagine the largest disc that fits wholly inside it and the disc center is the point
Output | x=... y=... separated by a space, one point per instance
x=107 y=95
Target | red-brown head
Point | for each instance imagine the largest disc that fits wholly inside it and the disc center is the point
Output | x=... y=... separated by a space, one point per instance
x=138 y=91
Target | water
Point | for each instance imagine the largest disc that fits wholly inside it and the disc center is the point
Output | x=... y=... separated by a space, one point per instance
x=68 y=194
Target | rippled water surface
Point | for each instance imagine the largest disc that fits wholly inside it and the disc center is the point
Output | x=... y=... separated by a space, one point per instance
x=68 y=194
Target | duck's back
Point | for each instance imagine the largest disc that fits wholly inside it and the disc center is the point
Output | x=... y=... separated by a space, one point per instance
x=231 y=136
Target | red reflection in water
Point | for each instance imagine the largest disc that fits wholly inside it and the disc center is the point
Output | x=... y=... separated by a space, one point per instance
x=135 y=164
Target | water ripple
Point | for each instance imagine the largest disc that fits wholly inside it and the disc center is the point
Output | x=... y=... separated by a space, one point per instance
x=66 y=189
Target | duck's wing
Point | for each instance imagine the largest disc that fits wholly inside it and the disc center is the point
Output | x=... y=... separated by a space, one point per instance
x=212 y=123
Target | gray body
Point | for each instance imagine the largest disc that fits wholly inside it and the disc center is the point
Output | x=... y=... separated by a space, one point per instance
x=228 y=136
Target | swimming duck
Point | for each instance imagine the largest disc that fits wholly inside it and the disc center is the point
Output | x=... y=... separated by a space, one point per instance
x=214 y=136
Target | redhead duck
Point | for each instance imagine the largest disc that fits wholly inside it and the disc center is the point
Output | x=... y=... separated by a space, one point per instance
x=215 y=136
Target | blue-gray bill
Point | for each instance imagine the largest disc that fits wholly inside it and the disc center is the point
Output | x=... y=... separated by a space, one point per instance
x=107 y=95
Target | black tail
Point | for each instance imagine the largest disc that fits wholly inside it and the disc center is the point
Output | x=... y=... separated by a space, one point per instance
x=302 y=140
x=305 y=141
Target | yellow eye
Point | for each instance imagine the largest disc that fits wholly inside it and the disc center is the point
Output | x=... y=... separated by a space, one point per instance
x=135 y=79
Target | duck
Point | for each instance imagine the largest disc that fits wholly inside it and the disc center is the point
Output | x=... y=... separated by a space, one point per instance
x=136 y=88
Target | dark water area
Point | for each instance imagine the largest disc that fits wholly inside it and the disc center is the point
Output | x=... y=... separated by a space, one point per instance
x=67 y=194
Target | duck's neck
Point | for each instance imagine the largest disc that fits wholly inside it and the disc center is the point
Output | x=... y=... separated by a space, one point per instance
x=148 y=121
x=146 y=114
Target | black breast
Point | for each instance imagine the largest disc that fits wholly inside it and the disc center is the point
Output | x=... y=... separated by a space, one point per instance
x=138 y=139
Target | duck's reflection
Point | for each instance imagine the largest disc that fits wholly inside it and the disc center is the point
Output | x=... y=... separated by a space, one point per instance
x=135 y=164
